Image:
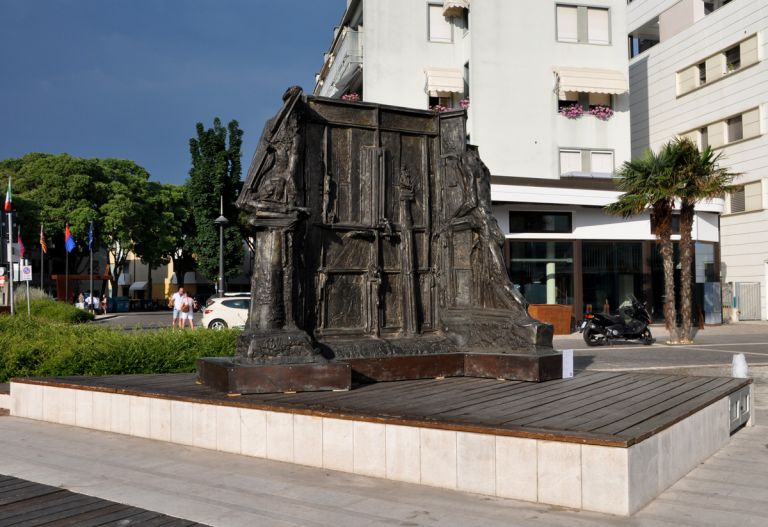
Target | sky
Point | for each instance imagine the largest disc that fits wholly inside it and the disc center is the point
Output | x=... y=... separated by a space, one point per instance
x=130 y=78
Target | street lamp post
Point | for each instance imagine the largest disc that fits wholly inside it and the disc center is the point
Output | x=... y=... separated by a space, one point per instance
x=221 y=221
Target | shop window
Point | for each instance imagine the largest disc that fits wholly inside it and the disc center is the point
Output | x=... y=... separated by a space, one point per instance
x=540 y=222
x=675 y=224
x=542 y=271
x=440 y=29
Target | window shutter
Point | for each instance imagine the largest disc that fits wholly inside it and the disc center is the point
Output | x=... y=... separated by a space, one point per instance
x=750 y=123
x=439 y=26
x=567 y=24
x=737 y=200
x=598 y=31
x=735 y=129
x=602 y=163
x=748 y=50
x=570 y=161
x=753 y=196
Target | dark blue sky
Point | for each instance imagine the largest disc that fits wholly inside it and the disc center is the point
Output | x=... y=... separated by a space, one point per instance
x=130 y=78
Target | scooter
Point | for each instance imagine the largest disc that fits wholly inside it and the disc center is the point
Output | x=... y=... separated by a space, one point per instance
x=630 y=324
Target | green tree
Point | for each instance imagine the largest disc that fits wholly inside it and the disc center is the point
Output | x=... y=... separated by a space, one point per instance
x=646 y=183
x=699 y=178
x=215 y=175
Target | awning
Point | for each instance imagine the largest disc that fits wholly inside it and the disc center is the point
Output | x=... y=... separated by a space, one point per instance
x=138 y=286
x=454 y=7
x=588 y=80
x=443 y=81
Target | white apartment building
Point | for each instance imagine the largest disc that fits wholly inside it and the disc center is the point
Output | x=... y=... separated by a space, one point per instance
x=698 y=71
x=545 y=85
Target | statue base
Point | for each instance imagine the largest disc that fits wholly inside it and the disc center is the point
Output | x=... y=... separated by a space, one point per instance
x=226 y=375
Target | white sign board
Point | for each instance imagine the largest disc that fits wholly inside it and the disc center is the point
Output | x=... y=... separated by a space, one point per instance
x=567 y=364
x=26 y=273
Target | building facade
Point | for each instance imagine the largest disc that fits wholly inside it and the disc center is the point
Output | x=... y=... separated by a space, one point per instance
x=545 y=86
x=701 y=75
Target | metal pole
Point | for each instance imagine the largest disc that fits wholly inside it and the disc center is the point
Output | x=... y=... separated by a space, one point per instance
x=42 y=270
x=91 y=277
x=66 y=276
x=10 y=260
x=29 y=309
x=221 y=248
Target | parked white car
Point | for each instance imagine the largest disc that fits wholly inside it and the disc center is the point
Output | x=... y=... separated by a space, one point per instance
x=226 y=312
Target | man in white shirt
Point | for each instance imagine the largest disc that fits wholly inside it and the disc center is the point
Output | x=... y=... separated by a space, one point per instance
x=178 y=300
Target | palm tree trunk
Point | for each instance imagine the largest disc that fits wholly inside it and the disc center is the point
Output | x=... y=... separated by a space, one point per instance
x=686 y=264
x=662 y=213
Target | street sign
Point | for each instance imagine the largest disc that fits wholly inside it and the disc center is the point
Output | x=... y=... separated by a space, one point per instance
x=26 y=273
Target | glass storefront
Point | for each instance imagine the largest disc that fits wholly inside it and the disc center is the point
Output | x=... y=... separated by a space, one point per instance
x=612 y=272
x=542 y=270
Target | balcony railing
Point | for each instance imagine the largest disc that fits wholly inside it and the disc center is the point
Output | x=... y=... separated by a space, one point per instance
x=347 y=61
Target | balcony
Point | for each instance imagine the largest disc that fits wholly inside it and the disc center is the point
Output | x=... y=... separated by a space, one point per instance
x=345 y=64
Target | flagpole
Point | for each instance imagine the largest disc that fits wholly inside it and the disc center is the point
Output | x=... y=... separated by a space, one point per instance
x=10 y=259
x=42 y=267
x=66 y=277
x=29 y=309
x=90 y=250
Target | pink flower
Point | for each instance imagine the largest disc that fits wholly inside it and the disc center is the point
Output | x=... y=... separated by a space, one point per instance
x=464 y=103
x=439 y=108
x=572 y=111
x=352 y=96
x=601 y=112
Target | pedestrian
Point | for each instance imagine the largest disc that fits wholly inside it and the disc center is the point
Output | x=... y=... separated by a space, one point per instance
x=176 y=302
x=95 y=304
x=188 y=311
x=103 y=304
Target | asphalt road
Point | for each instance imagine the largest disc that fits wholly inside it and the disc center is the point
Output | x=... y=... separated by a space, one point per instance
x=142 y=320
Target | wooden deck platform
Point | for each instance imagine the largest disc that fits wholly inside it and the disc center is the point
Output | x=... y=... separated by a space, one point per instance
x=26 y=503
x=600 y=408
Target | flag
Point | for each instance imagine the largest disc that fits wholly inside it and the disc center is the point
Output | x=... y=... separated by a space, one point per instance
x=43 y=245
x=90 y=236
x=69 y=241
x=21 y=245
x=7 y=207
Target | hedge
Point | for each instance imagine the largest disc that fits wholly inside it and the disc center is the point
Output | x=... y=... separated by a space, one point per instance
x=38 y=347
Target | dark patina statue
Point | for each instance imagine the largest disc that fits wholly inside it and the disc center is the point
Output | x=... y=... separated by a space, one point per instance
x=377 y=255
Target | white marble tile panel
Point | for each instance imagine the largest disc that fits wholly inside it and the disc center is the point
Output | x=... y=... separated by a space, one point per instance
x=476 y=463
x=605 y=479
x=643 y=463
x=204 y=433
x=68 y=406
x=559 y=469
x=280 y=436
x=102 y=411
x=140 y=417
x=516 y=468
x=182 y=423
x=438 y=458
x=27 y=400
x=228 y=429
x=120 y=416
x=403 y=453
x=253 y=432
x=338 y=444
x=370 y=449
x=51 y=404
x=6 y=402
x=160 y=419
x=308 y=440
x=84 y=408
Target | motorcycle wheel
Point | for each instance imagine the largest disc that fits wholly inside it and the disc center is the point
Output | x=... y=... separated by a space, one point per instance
x=646 y=337
x=593 y=337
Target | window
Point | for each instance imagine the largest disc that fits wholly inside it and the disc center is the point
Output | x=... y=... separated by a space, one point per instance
x=539 y=222
x=735 y=129
x=570 y=162
x=675 y=224
x=598 y=27
x=703 y=138
x=567 y=24
x=602 y=163
x=445 y=102
x=466 y=80
x=600 y=99
x=542 y=271
x=737 y=200
x=570 y=98
x=580 y=163
x=583 y=24
x=732 y=59
x=440 y=29
x=702 y=67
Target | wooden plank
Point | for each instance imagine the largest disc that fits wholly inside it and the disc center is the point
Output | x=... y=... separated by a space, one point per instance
x=590 y=402
x=696 y=390
x=632 y=407
x=72 y=506
x=38 y=503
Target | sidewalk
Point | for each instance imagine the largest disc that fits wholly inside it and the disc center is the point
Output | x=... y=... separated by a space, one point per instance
x=731 y=488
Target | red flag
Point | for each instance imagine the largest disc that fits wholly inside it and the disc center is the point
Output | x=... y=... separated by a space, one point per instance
x=21 y=245
x=43 y=245
x=7 y=207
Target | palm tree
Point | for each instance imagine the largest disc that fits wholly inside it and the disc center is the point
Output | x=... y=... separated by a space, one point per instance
x=649 y=182
x=699 y=178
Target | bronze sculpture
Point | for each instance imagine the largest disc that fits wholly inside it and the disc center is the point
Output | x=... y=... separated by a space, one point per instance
x=376 y=252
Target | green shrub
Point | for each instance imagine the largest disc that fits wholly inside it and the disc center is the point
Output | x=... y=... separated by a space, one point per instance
x=41 y=348
x=49 y=309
